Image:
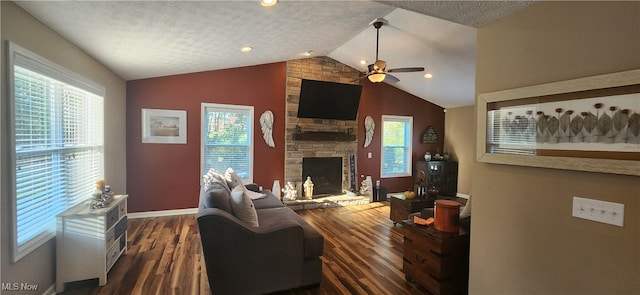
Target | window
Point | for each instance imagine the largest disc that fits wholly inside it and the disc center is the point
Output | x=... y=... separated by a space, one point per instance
x=56 y=144
x=227 y=139
x=396 y=146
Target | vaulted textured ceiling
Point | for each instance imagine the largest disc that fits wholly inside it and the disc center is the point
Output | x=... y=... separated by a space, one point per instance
x=157 y=38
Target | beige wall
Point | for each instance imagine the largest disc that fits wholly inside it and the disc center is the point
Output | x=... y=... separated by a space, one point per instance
x=524 y=240
x=21 y=28
x=460 y=142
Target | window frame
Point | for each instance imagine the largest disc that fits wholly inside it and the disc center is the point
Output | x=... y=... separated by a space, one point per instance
x=408 y=121
x=222 y=107
x=19 y=56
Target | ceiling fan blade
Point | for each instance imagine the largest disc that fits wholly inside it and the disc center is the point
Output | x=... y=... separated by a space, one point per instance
x=391 y=79
x=404 y=70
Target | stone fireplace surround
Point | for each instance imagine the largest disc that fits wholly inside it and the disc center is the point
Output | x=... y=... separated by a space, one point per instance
x=317 y=137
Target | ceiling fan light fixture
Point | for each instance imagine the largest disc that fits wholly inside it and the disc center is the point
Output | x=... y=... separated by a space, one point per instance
x=268 y=3
x=428 y=75
x=376 y=78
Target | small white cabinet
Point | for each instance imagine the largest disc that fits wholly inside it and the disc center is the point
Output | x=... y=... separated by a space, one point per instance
x=90 y=241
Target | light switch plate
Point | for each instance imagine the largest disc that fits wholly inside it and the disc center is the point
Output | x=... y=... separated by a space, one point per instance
x=600 y=211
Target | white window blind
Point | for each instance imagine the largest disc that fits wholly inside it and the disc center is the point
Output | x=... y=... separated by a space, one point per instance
x=227 y=139
x=57 y=144
x=396 y=146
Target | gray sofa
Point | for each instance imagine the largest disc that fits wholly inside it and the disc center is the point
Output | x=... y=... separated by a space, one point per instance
x=282 y=253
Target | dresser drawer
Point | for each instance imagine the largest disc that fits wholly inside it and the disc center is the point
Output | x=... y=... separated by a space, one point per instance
x=430 y=281
x=123 y=208
x=442 y=266
x=113 y=253
x=112 y=216
x=115 y=232
x=120 y=227
x=426 y=241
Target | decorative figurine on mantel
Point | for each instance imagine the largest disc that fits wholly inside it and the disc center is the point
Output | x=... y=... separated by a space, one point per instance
x=308 y=189
x=290 y=192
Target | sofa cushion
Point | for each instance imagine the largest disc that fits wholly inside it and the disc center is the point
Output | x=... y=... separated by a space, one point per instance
x=243 y=207
x=217 y=196
x=313 y=241
x=269 y=201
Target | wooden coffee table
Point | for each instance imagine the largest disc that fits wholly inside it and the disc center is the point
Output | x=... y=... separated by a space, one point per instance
x=401 y=207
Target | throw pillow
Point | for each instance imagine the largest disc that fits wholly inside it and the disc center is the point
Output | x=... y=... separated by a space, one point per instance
x=253 y=195
x=243 y=207
x=218 y=197
x=232 y=178
x=213 y=176
x=466 y=211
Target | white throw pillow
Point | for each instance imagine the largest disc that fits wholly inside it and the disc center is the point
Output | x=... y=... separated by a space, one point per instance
x=253 y=195
x=243 y=207
x=466 y=211
x=213 y=176
x=232 y=178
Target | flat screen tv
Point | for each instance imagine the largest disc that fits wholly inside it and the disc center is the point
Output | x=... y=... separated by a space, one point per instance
x=328 y=100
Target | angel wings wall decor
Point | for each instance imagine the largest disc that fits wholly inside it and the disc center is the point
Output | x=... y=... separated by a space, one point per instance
x=369 y=127
x=266 y=123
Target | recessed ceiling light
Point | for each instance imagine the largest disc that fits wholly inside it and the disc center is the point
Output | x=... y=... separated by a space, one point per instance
x=308 y=53
x=428 y=75
x=363 y=62
x=268 y=3
x=246 y=49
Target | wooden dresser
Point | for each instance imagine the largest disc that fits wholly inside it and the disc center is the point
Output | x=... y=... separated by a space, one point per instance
x=401 y=207
x=90 y=241
x=436 y=260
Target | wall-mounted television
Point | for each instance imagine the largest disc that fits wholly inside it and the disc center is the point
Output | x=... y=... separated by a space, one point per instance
x=328 y=100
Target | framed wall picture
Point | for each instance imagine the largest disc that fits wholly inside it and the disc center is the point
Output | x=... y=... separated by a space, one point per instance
x=164 y=126
x=587 y=124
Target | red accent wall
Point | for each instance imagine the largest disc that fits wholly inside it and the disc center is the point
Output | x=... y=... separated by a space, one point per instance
x=167 y=176
x=383 y=99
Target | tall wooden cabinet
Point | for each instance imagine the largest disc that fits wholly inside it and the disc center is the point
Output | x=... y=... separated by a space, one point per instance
x=443 y=175
x=90 y=241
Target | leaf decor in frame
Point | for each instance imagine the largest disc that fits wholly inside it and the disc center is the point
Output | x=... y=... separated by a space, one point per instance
x=587 y=124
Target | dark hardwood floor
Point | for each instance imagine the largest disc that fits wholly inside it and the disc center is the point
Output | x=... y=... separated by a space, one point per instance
x=363 y=255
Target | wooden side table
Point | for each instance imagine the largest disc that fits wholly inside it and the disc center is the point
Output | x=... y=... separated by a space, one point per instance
x=436 y=260
x=401 y=207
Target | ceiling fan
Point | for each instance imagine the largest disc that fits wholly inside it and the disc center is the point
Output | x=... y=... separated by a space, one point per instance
x=377 y=71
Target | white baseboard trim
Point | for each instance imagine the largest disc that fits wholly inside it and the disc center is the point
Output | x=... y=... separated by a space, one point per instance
x=461 y=195
x=162 y=213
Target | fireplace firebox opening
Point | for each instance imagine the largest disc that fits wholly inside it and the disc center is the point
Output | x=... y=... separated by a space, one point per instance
x=326 y=174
